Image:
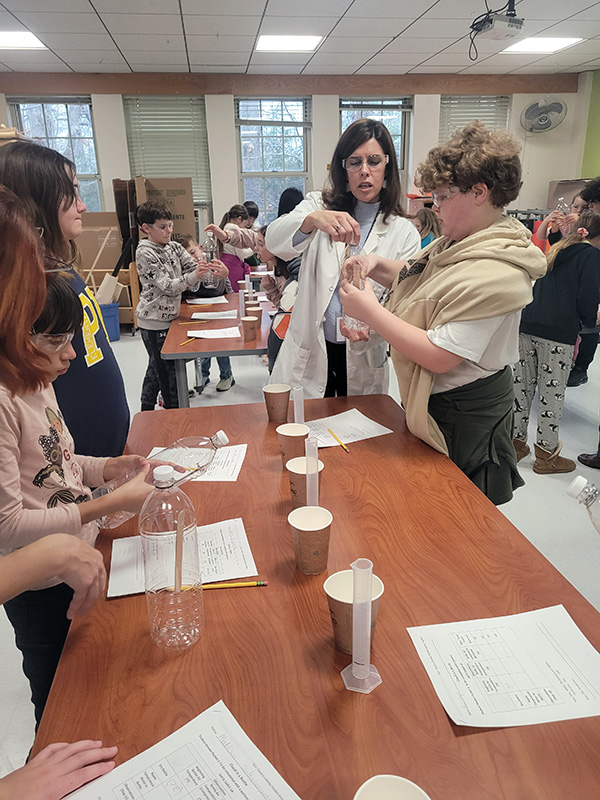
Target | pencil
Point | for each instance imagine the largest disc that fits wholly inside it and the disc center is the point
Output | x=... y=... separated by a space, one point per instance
x=234 y=585
x=187 y=341
x=338 y=440
x=194 y=322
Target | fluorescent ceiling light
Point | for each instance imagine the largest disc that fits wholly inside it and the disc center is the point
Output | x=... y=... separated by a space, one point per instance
x=541 y=45
x=19 y=40
x=289 y=44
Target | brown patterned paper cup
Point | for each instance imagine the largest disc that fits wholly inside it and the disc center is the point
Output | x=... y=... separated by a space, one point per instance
x=311 y=526
x=249 y=325
x=241 y=284
x=292 y=436
x=277 y=400
x=296 y=469
x=254 y=311
x=339 y=589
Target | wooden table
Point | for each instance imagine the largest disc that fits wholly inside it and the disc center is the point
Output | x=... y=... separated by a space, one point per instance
x=207 y=348
x=444 y=553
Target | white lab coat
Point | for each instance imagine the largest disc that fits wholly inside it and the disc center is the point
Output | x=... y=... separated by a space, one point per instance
x=302 y=359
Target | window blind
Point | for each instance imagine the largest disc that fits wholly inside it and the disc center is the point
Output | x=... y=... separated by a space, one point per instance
x=167 y=138
x=456 y=111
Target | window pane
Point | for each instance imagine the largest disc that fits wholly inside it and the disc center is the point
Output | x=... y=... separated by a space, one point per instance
x=273 y=154
x=294 y=154
x=251 y=154
x=32 y=117
x=249 y=109
x=90 y=194
x=271 y=109
x=56 y=119
x=81 y=121
x=63 y=146
x=85 y=156
x=293 y=110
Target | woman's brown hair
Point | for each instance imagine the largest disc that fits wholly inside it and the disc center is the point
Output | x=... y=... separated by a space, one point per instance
x=336 y=195
x=589 y=221
x=22 y=297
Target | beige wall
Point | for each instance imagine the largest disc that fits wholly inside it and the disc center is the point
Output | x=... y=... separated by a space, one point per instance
x=224 y=153
x=326 y=132
x=111 y=144
x=424 y=134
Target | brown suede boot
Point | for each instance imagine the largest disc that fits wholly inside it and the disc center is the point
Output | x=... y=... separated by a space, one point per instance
x=521 y=448
x=550 y=463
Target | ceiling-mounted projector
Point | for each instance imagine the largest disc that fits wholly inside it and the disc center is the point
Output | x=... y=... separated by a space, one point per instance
x=499 y=26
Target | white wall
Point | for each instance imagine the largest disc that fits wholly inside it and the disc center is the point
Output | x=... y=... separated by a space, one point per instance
x=326 y=122
x=4 y=120
x=425 y=132
x=111 y=144
x=222 y=152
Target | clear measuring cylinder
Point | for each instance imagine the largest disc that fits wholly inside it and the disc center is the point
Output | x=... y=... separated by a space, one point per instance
x=354 y=250
x=172 y=573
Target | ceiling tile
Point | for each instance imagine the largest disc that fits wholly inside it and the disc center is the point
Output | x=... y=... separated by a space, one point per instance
x=224 y=44
x=264 y=70
x=143 y=23
x=584 y=28
x=58 y=6
x=308 y=8
x=407 y=44
x=104 y=67
x=209 y=68
x=135 y=7
x=449 y=9
x=9 y=23
x=221 y=26
x=159 y=68
x=437 y=29
x=384 y=60
x=149 y=41
x=224 y=59
x=61 y=23
x=77 y=41
x=76 y=57
x=345 y=44
x=271 y=59
x=371 y=26
x=481 y=69
x=225 y=8
x=165 y=57
x=510 y=61
x=35 y=67
x=550 y=9
x=432 y=70
x=325 y=70
x=338 y=59
x=4 y=68
x=391 y=8
x=448 y=60
x=297 y=26
x=593 y=12
x=41 y=57
x=369 y=70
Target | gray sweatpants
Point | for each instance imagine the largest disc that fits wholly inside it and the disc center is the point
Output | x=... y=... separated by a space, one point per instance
x=545 y=364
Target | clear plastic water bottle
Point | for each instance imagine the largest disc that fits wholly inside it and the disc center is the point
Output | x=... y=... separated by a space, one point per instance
x=587 y=494
x=562 y=206
x=193 y=453
x=209 y=251
x=173 y=579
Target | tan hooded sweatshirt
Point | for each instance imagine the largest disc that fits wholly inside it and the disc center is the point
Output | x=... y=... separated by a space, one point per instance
x=488 y=274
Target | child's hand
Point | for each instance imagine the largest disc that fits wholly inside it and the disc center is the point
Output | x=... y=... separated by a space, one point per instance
x=363 y=262
x=131 y=496
x=353 y=335
x=219 y=268
x=58 y=770
x=121 y=466
x=219 y=233
x=359 y=303
x=268 y=283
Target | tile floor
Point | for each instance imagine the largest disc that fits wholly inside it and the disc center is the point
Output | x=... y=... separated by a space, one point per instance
x=554 y=523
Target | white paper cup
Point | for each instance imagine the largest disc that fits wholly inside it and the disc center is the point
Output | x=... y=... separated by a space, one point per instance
x=339 y=589
x=292 y=436
x=311 y=526
x=249 y=326
x=277 y=400
x=390 y=787
x=296 y=469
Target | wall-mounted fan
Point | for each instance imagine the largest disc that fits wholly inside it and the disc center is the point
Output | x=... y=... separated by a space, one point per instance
x=543 y=115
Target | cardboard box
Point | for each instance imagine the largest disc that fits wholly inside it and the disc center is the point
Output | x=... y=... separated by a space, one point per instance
x=178 y=196
x=566 y=189
x=100 y=232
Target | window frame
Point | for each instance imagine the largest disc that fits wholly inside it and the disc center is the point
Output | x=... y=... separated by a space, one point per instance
x=16 y=116
x=305 y=124
x=456 y=111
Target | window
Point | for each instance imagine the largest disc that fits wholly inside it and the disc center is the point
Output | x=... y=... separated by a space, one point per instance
x=64 y=124
x=456 y=111
x=273 y=136
x=167 y=138
x=395 y=115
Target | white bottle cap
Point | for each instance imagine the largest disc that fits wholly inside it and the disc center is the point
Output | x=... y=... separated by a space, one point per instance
x=222 y=437
x=576 y=486
x=163 y=475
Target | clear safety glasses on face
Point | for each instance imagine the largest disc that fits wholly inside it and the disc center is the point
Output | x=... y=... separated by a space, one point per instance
x=374 y=162
x=52 y=342
x=439 y=197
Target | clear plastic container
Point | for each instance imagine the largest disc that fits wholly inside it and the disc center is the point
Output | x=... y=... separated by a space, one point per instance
x=587 y=494
x=194 y=453
x=562 y=206
x=172 y=573
x=351 y=322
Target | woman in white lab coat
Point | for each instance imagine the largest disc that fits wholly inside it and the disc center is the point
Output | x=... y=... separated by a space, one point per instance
x=360 y=204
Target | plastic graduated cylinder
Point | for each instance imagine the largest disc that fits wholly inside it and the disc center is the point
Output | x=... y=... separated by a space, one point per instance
x=172 y=573
x=193 y=453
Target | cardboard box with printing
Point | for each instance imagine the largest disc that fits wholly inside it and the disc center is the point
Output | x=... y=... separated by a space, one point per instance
x=178 y=196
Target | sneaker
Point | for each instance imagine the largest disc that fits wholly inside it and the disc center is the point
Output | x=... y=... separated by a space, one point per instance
x=191 y=393
x=200 y=389
x=589 y=460
x=225 y=384
x=577 y=377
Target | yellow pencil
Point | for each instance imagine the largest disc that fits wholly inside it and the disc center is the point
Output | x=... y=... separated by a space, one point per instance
x=338 y=440
x=194 y=322
x=187 y=341
x=234 y=585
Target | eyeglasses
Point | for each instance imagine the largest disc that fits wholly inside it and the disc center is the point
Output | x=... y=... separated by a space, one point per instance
x=374 y=162
x=164 y=226
x=55 y=265
x=439 y=197
x=52 y=342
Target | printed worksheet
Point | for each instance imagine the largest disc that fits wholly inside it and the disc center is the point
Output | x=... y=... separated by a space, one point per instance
x=219 y=333
x=205 y=301
x=224 y=555
x=210 y=757
x=349 y=426
x=522 y=669
x=224 y=467
x=215 y=314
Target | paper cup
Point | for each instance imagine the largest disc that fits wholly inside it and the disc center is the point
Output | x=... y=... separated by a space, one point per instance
x=255 y=311
x=296 y=469
x=277 y=400
x=292 y=436
x=339 y=589
x=242 y=284
x=249 y=325
x=311 y=526
x=390 y=787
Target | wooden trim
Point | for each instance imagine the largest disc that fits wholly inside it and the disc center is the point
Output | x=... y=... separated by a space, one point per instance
x=24 y=83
